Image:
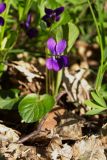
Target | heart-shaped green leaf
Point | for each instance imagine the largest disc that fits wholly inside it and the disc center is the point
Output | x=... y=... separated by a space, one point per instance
x=33 y=107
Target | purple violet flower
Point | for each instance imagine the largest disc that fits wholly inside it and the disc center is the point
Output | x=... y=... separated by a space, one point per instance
x=57 y=61
x=2 y=8
x=30 y=31
x=52 y=15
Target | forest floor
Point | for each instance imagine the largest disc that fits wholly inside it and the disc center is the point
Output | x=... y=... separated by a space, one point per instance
x=65 y=133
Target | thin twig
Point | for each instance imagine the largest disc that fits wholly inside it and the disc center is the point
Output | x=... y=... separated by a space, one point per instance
x=34 y=133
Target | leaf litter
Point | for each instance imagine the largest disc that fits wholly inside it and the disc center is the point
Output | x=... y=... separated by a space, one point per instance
x=67 y=134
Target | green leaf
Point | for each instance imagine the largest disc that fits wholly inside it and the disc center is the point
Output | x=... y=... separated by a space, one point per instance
x=41 y=7
x=76 y=2
x=28 y=4
x=92 y=104
x=60 y=1
x=59 y=33
x=11 y=39
x=103 y=91
x=3 y=67
x=15 y=50
x=7 y=103
x=98 y=99
x=8 y=98
x=20 y=11
x=15 y=3
x=72 y=35
x=33 y=107
x=65 y=17
x=43 y=25
x=15 y=92
x=105 y=54
x=95 y=111
x=52 y=4
x=3 y=44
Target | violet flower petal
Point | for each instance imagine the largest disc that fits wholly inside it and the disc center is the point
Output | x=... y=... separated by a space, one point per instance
x=1 y=21
x=46 y=18
x=53 y=64
x=2 y=7
x=49 y=63
x=28 y=22
x=32 y=32
x=65 y=61
x=59 y=10
x=60 y=47
x=56 y=64
x=48 y=11
x=57 y=18
x=51 y=45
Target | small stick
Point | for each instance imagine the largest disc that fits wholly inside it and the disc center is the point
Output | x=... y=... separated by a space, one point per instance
x=34 y=133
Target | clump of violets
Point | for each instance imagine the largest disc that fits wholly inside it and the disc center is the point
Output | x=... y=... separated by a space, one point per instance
x=57 y=61
x=30 y=31
x=2 y=9
x=52 y=16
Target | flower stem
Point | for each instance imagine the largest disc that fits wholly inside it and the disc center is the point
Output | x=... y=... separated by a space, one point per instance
x=53 y=76
x=47 y=81
x=58 y=81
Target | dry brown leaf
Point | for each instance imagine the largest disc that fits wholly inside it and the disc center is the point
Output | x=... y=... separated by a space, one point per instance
x=58 y=151
x=104 y=130
x=8 y=134
x=70 y=126
x=90 y=149
x=26 y=69
x=76 y=86
x=10 y=150
x=51 y=122
x=19 y=151
x=26 y=77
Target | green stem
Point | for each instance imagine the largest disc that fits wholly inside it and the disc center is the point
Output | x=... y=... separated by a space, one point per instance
x=99 y=78
x=100 y=70
x=5 y=56
x=58 y=81
x=47 y=80
x=47 y=74
x=53 y=76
